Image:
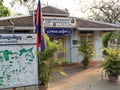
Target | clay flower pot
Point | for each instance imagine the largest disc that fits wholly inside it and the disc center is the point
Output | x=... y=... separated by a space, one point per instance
x=113 y=78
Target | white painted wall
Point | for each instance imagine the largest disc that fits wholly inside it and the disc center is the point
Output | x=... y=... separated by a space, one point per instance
x=98 y=46
x=75 y=57
x=68 y=47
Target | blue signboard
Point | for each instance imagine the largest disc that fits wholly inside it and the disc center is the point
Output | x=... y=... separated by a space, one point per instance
x=58 y=31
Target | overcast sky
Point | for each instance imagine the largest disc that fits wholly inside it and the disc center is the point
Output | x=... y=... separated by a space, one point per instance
x=74 y=6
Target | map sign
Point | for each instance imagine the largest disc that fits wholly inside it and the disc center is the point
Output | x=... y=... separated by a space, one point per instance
x=18 y=64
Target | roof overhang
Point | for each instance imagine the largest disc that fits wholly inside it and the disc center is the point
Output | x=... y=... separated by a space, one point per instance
x=79 y=28
x=97 y=29
x=13 y=17
x=17 y=28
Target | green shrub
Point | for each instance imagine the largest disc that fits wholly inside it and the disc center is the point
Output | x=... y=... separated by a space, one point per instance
x=47 y=64
x=111 y=62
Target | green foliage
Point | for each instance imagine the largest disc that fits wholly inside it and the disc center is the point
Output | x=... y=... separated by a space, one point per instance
x=107 y=11
x=86 y=49
x=106 y=38
x=47 y=64
x=4 y=11
x=115 y=38
x=111 y=62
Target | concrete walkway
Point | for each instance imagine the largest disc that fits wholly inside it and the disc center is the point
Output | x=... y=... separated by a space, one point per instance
x=79 y=79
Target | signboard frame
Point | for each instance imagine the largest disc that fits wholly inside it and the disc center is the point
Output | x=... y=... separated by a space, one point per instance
x=66 y=22
x=19 y=62
x=58 y=31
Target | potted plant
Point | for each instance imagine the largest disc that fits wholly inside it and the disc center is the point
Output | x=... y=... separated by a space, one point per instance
x=86 y=49
x=48 y=65
x=111 y=63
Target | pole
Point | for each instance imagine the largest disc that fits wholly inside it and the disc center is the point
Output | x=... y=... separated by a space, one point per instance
x=35 y=88
x=34 y=27
x=24 y=88
x=33 y=17
x=14 y=88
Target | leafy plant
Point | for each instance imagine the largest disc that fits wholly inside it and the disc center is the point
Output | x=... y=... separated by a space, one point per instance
x=111 y=62
x=4 y=11
x=86 y=49
x=47 y=64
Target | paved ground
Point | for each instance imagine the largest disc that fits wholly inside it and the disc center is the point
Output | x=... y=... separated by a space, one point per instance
x=80 y=79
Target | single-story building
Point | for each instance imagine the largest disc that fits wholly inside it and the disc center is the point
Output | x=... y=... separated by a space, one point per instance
x=60 y=26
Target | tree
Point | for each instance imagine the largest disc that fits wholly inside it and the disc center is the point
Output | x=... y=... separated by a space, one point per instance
x=29 y=4
x=107 y=10
x=4 y=11
x=97 y=16
x=103 y=10
x=26 y=3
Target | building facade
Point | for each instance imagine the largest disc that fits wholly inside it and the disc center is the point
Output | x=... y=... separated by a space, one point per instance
x=60 y=26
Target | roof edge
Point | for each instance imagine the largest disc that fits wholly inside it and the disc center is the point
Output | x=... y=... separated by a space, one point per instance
x=13 y=17
x=100 y=22
x=57 y=8
x=97 y=29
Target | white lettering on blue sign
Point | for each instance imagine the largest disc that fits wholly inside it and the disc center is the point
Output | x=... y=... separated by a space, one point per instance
x=58 y=31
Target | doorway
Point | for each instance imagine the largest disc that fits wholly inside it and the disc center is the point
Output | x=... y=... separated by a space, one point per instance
x=62 y=39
